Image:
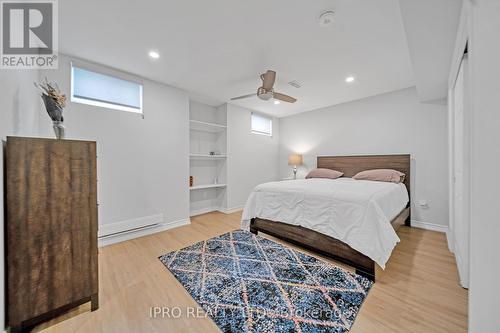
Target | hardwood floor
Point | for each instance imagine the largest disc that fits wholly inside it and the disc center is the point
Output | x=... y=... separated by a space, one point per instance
x=418 y=291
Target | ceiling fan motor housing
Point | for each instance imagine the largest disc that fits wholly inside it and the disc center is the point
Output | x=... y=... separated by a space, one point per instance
x=264 y=94
x=266 y=91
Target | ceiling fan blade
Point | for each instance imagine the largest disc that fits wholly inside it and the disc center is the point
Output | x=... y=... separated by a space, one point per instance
x=268 y=79
x=244 y=96
x=284 y=98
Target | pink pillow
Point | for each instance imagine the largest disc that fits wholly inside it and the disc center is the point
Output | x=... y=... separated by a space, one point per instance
x=381 y=175
x=324 y=173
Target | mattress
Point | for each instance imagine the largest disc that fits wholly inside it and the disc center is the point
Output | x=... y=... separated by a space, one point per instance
x=356 y=212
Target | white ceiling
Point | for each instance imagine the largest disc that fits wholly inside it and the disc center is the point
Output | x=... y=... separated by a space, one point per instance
x=216 y=49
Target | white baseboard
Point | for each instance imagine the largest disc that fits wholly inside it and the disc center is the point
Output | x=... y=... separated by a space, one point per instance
x=203 y=211
x=462 y=270
x=215 y=209
x=144 y=231
x=231 y=210
x=451 y=242
x=429 y=226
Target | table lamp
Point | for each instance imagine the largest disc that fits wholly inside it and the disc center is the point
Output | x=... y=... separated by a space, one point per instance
x=295 y=160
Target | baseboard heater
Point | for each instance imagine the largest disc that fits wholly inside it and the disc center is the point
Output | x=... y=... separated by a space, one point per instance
x=129 y=231
x=125 y=227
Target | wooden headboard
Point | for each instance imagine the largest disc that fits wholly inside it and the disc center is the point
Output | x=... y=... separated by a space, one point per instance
x=351 y=165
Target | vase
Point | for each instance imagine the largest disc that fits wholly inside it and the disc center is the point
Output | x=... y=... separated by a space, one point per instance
x=58 y=129
x=53 y=109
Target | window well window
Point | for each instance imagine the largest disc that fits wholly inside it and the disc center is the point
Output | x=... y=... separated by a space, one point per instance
x=262 y=124
x=106 y=91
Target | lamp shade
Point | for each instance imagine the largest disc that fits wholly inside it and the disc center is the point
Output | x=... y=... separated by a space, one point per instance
x=295 y=159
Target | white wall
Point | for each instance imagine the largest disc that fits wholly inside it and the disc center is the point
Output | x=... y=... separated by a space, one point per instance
x=391 y=123
x=142 y=164
x=252 y=158
x=484 y=59
x=19 y=112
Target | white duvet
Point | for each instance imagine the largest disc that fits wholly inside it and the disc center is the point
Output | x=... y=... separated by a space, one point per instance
x=357 y=212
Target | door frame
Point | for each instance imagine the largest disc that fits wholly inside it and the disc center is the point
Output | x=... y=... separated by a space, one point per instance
x=460 y=245
x=462 y=43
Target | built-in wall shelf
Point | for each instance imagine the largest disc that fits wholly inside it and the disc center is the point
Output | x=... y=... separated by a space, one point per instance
x=207 y=157
x=207 y=133
x=206 y=186
x=196 y=125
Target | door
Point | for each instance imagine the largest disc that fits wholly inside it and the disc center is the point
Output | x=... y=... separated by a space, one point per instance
x=461 y=186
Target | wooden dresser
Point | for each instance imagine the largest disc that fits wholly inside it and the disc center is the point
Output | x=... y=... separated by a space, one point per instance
x=51 y=228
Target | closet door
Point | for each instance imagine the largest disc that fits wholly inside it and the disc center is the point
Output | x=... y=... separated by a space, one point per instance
x=461 y=172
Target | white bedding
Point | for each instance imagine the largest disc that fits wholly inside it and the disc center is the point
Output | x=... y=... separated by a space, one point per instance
x=357 y=212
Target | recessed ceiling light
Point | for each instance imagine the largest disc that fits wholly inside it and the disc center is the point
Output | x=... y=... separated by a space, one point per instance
x=276 y=102
x=350 y=79
x=154 y=55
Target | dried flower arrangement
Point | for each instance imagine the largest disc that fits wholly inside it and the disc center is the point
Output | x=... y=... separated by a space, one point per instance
x=54 y=101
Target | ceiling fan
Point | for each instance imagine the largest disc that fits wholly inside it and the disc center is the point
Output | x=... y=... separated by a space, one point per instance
x=266 y=91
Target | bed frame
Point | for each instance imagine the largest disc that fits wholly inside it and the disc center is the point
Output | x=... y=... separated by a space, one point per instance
x=329 y=246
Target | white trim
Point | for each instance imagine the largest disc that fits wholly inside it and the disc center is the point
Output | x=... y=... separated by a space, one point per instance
x=450 y=240
x=231 y=210
x=216 y=209
x=461 y=40
x=429 y=226
x=140 y=232
x=203 y=211
x=463 y=274
x=451 y=179
x=106 y=105
x=262 y=133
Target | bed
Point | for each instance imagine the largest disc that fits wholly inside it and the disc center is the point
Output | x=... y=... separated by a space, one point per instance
x=351 y=221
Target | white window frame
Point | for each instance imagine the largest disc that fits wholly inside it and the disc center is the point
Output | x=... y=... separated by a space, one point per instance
x=104 y=104
x=270 y=134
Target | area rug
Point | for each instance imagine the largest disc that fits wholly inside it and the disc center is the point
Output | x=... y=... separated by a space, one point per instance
x=247 y=283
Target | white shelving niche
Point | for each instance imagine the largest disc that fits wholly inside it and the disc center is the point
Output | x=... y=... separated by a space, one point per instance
x=207 y=158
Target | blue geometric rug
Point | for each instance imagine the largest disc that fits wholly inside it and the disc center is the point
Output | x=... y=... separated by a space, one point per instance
x=247 y=283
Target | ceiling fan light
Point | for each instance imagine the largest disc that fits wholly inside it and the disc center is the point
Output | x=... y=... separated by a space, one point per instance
x=266 y=96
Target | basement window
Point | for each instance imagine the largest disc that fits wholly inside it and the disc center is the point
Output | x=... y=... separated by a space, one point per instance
x=96 y=89
x=262 y=125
